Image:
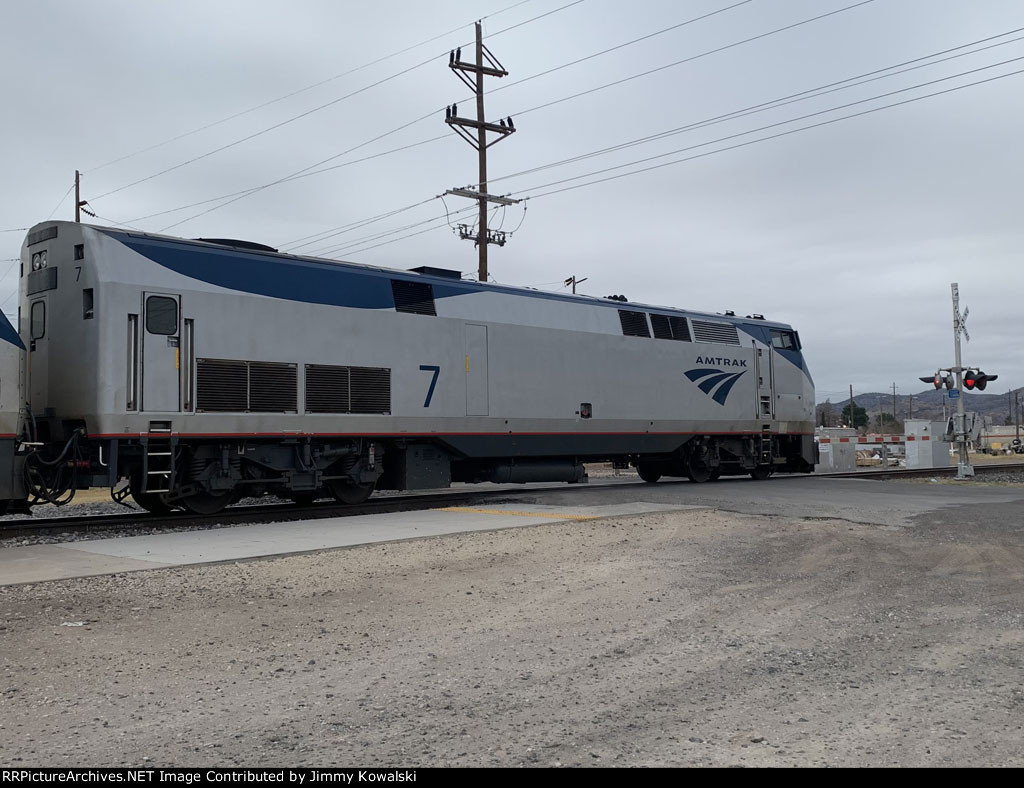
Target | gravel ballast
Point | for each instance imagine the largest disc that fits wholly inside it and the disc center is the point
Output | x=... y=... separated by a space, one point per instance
x=692 y=638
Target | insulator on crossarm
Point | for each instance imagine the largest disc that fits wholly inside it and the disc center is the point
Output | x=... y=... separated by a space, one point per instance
x=451 y=57
x=511 y=125
x=448 y=113
x=458 y=54
x=455 y=110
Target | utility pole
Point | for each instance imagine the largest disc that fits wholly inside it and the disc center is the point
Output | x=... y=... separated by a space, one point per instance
x=79 y=202
x=486 y=64
x=893 y=403
x=852 y=422
x=572 y=280
x=964 y=470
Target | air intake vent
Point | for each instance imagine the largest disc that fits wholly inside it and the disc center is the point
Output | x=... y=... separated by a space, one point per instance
x=227 y=386
x=670 y=327
x=634 y=324
x=723 y=333
x=416 y=298
x=221 y=386
x=273 y=388
x=371 y=390
x=347 y=389
x=326 y=389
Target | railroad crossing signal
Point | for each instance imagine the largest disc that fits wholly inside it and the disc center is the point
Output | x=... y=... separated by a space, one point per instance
x=939 y=379
x=976 y=379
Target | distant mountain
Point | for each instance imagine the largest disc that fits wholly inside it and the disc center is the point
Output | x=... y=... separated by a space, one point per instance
x=926 y=405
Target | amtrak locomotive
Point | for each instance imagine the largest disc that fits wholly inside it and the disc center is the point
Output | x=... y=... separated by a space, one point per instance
x=189 y=374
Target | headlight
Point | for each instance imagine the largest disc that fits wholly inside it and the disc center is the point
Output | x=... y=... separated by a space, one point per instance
x=38 y=260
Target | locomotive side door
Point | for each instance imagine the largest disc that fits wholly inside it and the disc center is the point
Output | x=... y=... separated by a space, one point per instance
x=765 y=371
x=476 y=370
x=38 y=353
x=161 y=352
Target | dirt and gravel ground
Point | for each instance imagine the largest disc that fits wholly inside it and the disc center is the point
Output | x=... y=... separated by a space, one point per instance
x=693 y=638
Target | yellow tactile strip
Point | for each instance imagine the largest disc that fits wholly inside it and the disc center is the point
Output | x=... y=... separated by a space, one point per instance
x=544 y=515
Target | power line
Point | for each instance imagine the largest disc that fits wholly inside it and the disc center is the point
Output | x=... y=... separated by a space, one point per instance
x=321 y=237
x=794 y=98
x=774 y=136
x=743 y=144
x=623 y=45
x=306 y=171
x=816 y=92
x=693 y=57
x=528 y=21
x=357 y=241
x=309 y=171
x=62 y=199
x=294 y=118
x=385 y=243
x=295 y=176
x=296 y=92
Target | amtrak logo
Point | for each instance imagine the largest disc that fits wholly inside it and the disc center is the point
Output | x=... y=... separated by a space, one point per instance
x=716 y=384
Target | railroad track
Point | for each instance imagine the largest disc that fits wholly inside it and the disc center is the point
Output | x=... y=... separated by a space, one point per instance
x=386 y=504
x=262 y=513
x=910 y=473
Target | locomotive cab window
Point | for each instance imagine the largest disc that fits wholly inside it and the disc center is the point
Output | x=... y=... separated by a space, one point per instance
x=161 y=315
x=785 y=340
x=38 y=317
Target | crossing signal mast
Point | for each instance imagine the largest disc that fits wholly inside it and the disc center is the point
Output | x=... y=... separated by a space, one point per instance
x=475 y=133
x=966 y=377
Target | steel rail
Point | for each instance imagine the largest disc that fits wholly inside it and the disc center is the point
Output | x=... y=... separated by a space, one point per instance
x=289 y=512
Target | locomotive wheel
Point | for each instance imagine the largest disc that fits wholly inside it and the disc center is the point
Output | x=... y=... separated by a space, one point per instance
x=350 y=494
x=207 y=503
x=649 y=473
x=761 y=472
x=697 y=471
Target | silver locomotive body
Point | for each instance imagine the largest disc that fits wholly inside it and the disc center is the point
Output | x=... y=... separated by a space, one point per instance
x=204 y=371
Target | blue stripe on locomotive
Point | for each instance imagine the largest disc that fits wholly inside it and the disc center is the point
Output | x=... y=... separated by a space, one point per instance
x=8 y=333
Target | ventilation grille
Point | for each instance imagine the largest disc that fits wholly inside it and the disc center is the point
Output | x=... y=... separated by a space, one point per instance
x=670 y=327
x=371 y=390
x=416 y=298
x=221 y=385
x=326 y=389
x=724 y=333
x=273 y=388
x=347 y=389
x=634 y=324
x=225 y=386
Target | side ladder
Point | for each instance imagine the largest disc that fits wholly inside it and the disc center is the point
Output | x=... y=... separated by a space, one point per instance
x=157 y=463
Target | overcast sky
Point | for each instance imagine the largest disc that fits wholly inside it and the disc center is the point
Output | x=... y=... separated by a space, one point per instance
x=851 y=231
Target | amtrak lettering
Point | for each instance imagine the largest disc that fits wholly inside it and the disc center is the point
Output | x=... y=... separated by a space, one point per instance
x=722 y=362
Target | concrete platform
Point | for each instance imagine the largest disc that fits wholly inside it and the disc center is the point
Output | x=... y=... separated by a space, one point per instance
x=40 y=563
